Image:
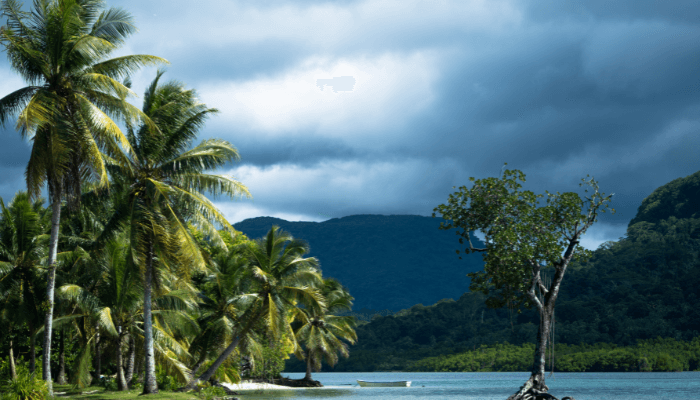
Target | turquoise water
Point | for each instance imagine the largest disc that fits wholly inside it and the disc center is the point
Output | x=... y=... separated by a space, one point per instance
x=499 y=385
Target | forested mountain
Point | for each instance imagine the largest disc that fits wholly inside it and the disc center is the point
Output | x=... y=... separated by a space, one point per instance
x=386 y=262
x=644 y=286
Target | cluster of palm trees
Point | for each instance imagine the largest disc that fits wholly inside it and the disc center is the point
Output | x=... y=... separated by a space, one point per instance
x=132 y=258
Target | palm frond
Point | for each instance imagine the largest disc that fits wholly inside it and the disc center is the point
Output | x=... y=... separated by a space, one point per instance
x=14 y=102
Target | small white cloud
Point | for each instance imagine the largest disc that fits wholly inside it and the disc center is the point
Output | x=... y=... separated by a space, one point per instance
x=337 y=83
x=600 y=233
x=238 y=211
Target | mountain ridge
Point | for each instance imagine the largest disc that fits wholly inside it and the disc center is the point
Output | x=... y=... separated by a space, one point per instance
x=392 y=252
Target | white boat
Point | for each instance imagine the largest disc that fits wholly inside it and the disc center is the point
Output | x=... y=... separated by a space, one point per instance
x=384 y=384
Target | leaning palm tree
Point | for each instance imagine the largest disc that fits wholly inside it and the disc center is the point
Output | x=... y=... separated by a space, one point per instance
x=160 y=190
x=221 y=296
x=324 y=333
x=283 y=279
x=61 y=50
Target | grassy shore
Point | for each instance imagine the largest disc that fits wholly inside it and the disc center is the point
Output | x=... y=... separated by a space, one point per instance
x=98 y=392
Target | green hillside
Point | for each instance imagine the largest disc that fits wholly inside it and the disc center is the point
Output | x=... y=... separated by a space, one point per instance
x=645 y=286
x=679 y=198
x=387 y=262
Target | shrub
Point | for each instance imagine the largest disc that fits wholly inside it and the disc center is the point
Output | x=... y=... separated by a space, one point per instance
x=109 y=384
x=26 y=387
x=164 y=380
x=211 y=392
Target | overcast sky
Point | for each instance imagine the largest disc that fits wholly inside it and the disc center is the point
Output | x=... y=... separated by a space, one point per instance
x=381 y=107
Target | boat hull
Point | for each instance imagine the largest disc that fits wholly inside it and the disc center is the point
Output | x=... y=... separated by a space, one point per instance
x=384 y=384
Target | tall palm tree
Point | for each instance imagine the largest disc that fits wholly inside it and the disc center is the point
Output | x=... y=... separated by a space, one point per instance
x=324 y=333
x=61 y=50
x=112 y=301
x=22 y=247
x=161 y=187
x=283 y=278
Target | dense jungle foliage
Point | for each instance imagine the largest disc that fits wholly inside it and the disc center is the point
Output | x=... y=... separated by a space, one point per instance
x=644 y=286
x=659 y=355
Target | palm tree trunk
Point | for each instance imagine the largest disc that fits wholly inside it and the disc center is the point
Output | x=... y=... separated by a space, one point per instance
x=51 y=281
x=223 y=356
x=32 y=352
x=98 y=356
x=121 y=380
x=212 y=369
x=13 y=369
x=132 y=359
x=307 y=377
x=149 y=381
x=61 y=379
x=198 y=364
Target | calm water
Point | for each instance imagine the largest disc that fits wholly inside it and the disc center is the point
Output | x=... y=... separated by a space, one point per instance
x=499 y=385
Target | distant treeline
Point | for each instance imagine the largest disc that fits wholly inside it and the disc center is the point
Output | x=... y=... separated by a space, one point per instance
x=641 y=287
x=659 y=355
x=644 y=286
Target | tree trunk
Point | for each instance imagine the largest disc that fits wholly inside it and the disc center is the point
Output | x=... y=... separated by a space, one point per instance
x=307 y=377
x=121 y=379
x=131 y=361
x=51 y=282
x=98 y=355
x=32 y=352
x=212 y=369
x=535 y=387
x=61 y=378
x=149 y=381
x=226 y=353
x=13 y=369
x=198 y=364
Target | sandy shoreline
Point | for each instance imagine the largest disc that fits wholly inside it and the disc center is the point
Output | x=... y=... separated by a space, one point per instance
x=243 y=386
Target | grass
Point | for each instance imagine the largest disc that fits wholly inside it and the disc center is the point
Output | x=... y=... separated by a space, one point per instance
x=101 y=394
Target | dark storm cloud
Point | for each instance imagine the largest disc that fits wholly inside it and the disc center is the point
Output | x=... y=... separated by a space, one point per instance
x=685 y=11
x=14 y=153
x=558 y=89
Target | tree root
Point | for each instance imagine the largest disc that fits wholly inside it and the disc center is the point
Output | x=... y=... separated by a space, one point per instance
x=528 y=391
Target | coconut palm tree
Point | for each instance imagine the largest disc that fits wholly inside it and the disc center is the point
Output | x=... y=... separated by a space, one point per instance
x=22 y=247
x=61 y=50
x=221 y=292
x=112 y=301
x=324 y=333
x=283 y=279
x=160 y=190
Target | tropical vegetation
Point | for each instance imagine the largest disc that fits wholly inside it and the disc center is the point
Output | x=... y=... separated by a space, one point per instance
x=132 y=277
x=643 y=286
x=528 y=247
x=61 y=49
x=658 y=355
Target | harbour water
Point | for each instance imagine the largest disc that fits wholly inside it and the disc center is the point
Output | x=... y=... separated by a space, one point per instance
x=497 y=386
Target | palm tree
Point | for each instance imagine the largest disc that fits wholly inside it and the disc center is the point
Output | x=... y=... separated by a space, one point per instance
x=60 y=50
x=221 y=292
x=22 y=247
x=323 y=333
x=283 y=278
x=161 y=189
x=111 y=300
